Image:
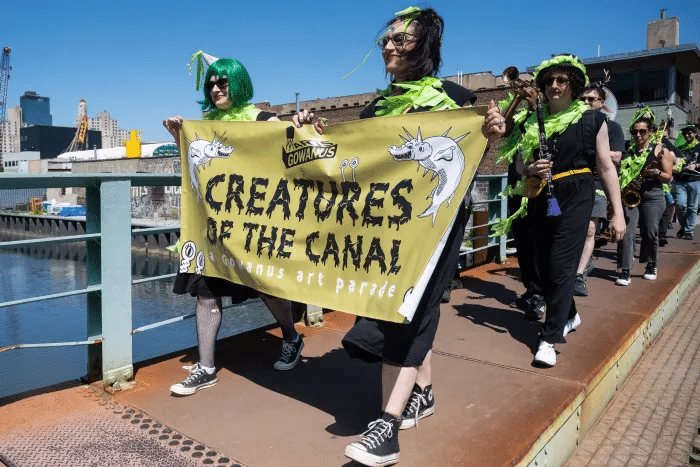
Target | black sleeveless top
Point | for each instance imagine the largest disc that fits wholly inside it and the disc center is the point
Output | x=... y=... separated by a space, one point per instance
x=575 y=147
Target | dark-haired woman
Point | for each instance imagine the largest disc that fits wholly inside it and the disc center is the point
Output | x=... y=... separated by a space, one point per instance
x=411 y=52
x=657 y=163
x=227 y=92
x=578 y=139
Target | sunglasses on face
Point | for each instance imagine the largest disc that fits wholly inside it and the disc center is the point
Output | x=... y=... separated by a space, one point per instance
x=590 y=99
x=221 y=83
x=639 y=132
x=398 y=39
x=562 y=80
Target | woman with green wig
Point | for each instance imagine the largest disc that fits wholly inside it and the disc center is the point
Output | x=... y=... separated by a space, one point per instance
x=227 y=94
x=651 y=161
x=578 y=141
x=410 y=46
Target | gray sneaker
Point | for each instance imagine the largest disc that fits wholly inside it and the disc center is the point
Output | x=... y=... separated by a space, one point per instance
x=291 y=353
x=580 y=289
x=198 y=379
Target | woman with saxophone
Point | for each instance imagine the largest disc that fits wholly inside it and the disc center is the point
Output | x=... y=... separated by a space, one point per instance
x=577 y=140
x=646 y=168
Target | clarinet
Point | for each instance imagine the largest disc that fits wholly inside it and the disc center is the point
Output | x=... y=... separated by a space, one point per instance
x=546 y=153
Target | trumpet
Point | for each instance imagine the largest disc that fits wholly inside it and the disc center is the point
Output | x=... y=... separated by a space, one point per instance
x=521 y=89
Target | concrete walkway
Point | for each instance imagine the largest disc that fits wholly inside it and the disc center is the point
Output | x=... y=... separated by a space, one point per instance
x=493 y=408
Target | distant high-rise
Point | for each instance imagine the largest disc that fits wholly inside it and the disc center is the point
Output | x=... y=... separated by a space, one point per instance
x=112 y=135
x=35 y=109
x=9 y=130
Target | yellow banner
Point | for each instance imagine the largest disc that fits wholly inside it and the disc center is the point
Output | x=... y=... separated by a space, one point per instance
x=353 y=220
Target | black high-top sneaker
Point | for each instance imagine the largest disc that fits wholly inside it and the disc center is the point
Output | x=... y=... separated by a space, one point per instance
x=419 y=405
x=379 y=445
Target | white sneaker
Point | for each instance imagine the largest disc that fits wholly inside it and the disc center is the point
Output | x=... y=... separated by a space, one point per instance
x=624 y=278
x=572 y=324
x=650 y=272
x=546 y=356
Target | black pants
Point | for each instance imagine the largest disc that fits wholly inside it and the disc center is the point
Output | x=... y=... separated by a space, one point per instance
x=558 y=243
x=523 y=235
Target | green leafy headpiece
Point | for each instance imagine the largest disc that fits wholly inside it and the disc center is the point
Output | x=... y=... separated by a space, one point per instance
x=690 y=127
x=561 y=61
x=644 y=112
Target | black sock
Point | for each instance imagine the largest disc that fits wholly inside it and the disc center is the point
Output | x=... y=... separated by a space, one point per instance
x=387 y=417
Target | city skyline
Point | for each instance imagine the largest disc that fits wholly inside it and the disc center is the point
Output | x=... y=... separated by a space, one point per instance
x=131 y=61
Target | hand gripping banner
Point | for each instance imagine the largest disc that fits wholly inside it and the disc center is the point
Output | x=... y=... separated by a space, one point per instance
x=353 y=220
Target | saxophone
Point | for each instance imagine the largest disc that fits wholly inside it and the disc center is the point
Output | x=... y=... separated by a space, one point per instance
x=630 y=194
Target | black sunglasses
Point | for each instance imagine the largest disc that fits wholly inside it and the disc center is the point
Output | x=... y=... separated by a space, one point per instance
x=563 y=80
x=641 y=132
x=398 y=39
x=588 y=99
x=221 y=83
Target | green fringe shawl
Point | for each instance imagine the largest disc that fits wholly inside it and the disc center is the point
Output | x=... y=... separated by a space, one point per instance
x=246 y=112
x=529 y=141
x=426 y=92
x=631 y=167
x=526 y=143
x=685 y=146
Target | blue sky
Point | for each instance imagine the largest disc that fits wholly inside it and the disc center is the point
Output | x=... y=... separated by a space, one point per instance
x=130 y=58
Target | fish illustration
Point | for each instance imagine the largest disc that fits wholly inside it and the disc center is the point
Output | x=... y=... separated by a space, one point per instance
x=202 y=151
x=440 y=154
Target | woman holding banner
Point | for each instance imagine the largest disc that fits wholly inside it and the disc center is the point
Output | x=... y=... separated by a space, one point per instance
x=410 y=48
x=576 y=140
x=227 y=91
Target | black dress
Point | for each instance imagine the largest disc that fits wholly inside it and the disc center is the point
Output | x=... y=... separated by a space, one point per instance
x=210 y=287
x=407 y=345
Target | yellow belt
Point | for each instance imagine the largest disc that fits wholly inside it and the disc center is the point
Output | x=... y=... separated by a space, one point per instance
x=571 y=172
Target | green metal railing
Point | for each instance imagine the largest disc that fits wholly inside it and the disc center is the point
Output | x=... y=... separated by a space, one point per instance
x=107 y=237
x=497 y=207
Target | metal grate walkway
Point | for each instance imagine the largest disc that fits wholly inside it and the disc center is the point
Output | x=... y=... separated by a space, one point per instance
x=103 y=434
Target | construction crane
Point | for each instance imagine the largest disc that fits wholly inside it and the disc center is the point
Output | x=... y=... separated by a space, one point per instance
x=79 y=142
x=4 y=80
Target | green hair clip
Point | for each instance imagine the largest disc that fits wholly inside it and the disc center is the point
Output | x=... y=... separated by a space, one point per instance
x=562 y=60
x=411 y=13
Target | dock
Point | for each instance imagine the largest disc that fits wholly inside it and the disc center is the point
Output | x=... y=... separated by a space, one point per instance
x=493 y=407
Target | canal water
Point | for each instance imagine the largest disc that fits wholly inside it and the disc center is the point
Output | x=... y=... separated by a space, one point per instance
x=35 y=272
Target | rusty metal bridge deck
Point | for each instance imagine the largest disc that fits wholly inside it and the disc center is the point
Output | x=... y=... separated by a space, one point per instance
x=493 y=407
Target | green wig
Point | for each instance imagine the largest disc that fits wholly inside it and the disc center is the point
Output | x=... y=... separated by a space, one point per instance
x=240 y=87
